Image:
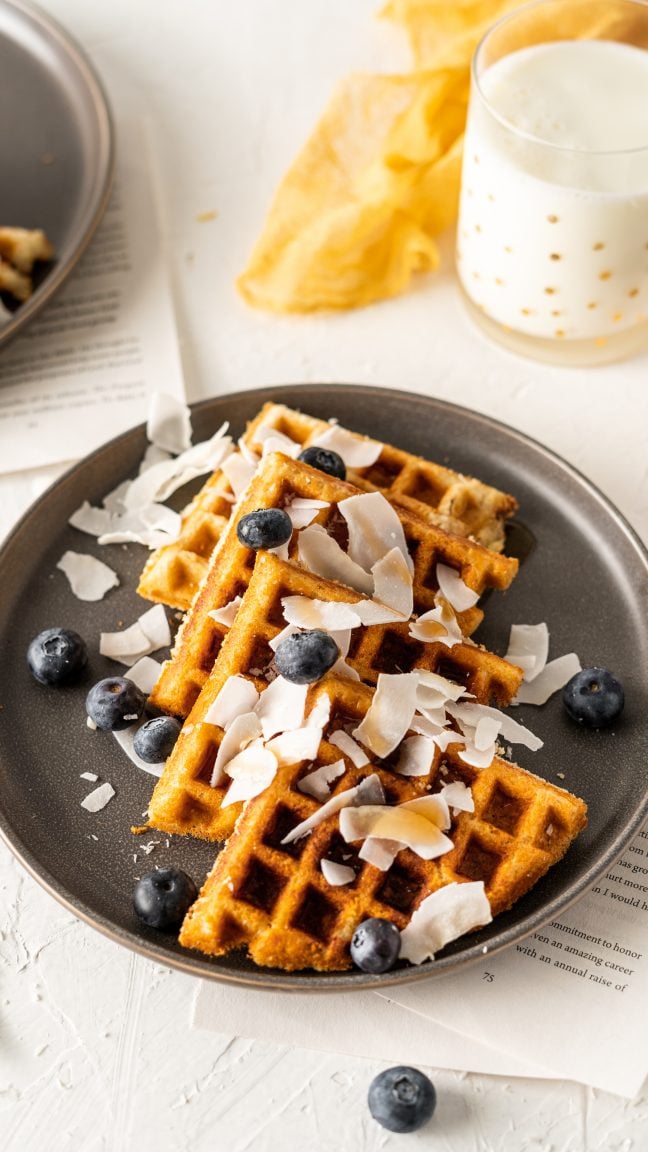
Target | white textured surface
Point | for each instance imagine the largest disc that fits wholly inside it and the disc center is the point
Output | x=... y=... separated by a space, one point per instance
x=96 y=1052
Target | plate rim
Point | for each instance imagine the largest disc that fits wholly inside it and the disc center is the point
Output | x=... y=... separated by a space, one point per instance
x=97 y=201
x=207 y=967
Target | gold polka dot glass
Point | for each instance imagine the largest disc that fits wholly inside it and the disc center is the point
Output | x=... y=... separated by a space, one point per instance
x=553 y=217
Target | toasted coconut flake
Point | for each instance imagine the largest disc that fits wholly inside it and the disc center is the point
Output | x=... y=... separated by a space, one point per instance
x=227 y=614
x=125 y=738
x=252 y=771
x=433 y=807
x=416 y=754
x=369 y=789
x=529 y=648
x=553 y=677
x=145 y=673
x=443 y=916
x=374 y=529
x=393 y=583
x=149 y=633
x=321 y=554
x=349 y=748
x=281 y=707
x=295 y=747
x=380 y=853
x=470 y=715
x=438 y=625
x=458 y=796
x=238 y=471
x=409 y=828
x=390 y=713
x=324 y=614
x=169 y=423
x=356 y=451
x=452 y=587
x=302 y=511
x=237 y=697
x=336 y=874
x=241 y=732
x=97 y=799
x=318 y=783
x=89 y=578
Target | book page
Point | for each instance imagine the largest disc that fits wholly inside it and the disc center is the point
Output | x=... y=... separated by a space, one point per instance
x=571 y=997
x=83 y=371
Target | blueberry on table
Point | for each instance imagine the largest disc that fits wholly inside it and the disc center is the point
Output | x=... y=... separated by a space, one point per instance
x=155 y=740
x=594 y=697
x=375 y=945
x=162 y=898
x=305 y=656
x=57 y=656
x=115 y=703
x=265 y=528
x=325 y=460
x=402 y=1099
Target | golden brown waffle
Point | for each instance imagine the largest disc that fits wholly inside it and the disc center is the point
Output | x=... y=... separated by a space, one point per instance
x=276 y=483
x=447 y=499
x=273 y=899
x=183 y=801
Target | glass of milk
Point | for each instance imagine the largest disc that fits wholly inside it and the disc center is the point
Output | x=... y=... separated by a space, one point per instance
x=552 y=239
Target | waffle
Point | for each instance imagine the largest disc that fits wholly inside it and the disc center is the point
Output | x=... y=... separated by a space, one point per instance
x=273 y=899
x=277 y=481
x=447 y=499
x=183 y=801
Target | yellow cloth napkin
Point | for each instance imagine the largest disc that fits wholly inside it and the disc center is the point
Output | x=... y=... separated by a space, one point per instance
x=358 y=211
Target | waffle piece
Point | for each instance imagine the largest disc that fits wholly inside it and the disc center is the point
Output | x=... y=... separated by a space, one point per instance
x=183 y=801
x=273 y=899
x=23 y=247
x=275 y=484
x=447 y=499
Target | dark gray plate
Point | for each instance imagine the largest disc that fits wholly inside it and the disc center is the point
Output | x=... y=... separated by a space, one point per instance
x=57 y=148
x=586 y=575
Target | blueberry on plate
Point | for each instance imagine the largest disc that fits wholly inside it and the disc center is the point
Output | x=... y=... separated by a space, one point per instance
x=305 y=656
x=325 y=460
x=155 y=740
x=57 y=656
x=402 y=1099
x=594 y=697
x=375 y=945
x=265 y=528
x=162 y=898
x=115 y=703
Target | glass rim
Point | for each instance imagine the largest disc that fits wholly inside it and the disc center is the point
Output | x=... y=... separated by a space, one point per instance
x=521 y=133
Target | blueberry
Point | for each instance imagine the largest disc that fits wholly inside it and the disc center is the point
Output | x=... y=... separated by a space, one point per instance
x=326 y=460
x=594 y=697
x=375 y=945
x=265 y=528
x=305 y=656
x=402 y=1099
x=115 y=703
x=162 y=898
x=155 y=740
x=57 y=656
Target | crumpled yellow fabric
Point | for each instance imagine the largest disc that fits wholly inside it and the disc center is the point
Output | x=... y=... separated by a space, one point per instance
x=357 y=213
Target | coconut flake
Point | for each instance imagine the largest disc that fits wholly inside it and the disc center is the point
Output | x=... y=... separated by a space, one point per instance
x=349 y=748
x=409 y=828
x=91 y=776
x=393 y=583
x=242 y=731
x=145 y=673
x=442 y=917
x=470 y=715
x=93 y=521
x=237 y=697
x=553 y=677
x=115 y=500
x=302 y=511
x=321 y=554
x=159 y=482
x=458 y=796
x=89 y=578
x=169 y=423
x=149 y=633
x=153 y=455
x=98 y=799
x=318 y=783
x=239 y=472
x=486 y=732
x=272 y=440
x=390 y=713
x=368 y=789
x=374 y=529
x=328 y=615
x=281 y=707
x=528 y=648
x=227 y=614
x=434 y=690
x=320 y=713
x=252 y=771
x=452 y=587
x=289 y=630
x=125 y=738
x=295 y=747
x=416 y=756
x=356 y=451
x=336 y=874
x=369 y=612
x=439 y=625
x=433 y=807
x=380 y=853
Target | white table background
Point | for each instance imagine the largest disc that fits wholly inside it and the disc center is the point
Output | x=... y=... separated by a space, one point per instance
x=95 y=1047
